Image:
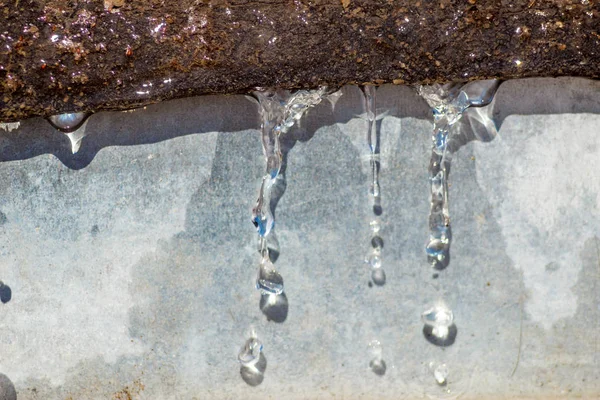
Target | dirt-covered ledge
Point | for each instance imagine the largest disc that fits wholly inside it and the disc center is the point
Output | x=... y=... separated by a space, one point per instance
x=68 y=55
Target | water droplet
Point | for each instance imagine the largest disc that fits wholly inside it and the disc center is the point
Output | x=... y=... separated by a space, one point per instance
x=377 y=364
x=262 y=218
x=378 y=276
x=374 y=259
x=377 y=242
x=250 y=353
x=68 y=122
x=440 y=373
x=375 y=226
x=72 y=124
x=269 y=281
x=440 y=318
x=253 y=362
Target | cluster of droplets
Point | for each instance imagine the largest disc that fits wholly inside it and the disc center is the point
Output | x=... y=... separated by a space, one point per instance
x=373 y=257
x=279 y=111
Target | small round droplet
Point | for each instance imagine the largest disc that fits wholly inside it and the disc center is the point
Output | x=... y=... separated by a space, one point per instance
x=375 y=226
x=374 y=259
x=440 y=373
x=68 y=122
x=377 y=242
x=378 y=276
x=440 y=318
x=438 y=253
x=250 y=353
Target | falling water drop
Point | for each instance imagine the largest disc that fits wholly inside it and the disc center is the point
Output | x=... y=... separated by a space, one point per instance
x=250 y=353
x=440 y=372
x=269 y=281
x=448 y=103
x=253 y=362
x=373 y=257
x=440 y=319
x=71 y=124
x=377 y=364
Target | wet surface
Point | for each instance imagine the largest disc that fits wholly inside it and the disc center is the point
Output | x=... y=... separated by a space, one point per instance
x=131 y=274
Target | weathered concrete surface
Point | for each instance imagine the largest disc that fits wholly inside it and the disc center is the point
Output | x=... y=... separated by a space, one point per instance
x=58 y=56
x=132 y=263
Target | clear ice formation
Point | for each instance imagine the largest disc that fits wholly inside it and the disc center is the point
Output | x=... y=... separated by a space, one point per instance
x=448 y=103
x=373 y=257
x=279 y=111
x=250 y=353
x=71 y=124
x=440 y=318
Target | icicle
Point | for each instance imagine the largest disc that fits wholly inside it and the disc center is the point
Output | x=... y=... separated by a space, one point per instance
x=279 y=111
x=373 y=257
x=71 y=124
x=448 y=102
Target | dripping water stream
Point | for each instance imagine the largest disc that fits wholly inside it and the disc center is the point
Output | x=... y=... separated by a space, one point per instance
x=448 y=103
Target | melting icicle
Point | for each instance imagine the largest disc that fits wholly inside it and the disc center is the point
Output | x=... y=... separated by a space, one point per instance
x=71 y=124
x=448 y=103
x=377 y=364
x=279 y=112
x=373 y=257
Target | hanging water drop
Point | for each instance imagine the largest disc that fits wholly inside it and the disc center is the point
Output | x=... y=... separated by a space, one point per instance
x=448 y=103
x=440 y=372
x=71 y=124
x=68 y=122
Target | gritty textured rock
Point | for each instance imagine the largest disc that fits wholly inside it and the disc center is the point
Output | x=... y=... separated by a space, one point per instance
x=58 y=56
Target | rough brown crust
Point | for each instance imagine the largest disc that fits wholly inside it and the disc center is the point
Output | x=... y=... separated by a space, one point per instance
x=71 y=55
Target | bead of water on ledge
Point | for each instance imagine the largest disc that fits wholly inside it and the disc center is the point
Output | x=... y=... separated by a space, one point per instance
x=68 y=122
x=250 y=353
x=440 y=318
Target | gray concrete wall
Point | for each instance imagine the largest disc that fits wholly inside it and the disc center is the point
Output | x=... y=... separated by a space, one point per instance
x=131 y=264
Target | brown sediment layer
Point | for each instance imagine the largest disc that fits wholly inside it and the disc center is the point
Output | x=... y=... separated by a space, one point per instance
x=59 y=56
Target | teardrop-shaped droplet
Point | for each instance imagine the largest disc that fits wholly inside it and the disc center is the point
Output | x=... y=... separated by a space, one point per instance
x=68 y=122
x=269 y=281
x=250 y=353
